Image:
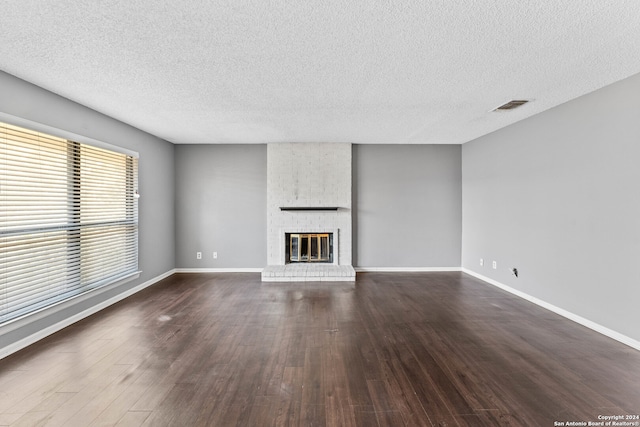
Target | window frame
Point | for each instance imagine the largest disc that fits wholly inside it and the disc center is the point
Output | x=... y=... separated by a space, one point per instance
x=85 y=292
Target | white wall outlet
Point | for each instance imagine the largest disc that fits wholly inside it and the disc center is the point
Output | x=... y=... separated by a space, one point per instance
x=215 y=255
x=198 y=255
x=481 y=262
x=494 y=265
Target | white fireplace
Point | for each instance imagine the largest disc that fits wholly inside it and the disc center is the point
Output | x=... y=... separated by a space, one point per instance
x=309 y=193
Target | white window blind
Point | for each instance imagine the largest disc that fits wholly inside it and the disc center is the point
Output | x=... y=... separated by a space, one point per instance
x=68 y=219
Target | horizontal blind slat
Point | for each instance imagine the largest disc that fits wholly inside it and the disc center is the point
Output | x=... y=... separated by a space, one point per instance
x=68 y=221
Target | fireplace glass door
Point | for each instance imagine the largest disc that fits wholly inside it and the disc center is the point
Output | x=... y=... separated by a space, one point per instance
x=315 y=247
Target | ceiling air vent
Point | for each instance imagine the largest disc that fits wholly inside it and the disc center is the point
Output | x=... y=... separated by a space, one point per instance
x=511 y=105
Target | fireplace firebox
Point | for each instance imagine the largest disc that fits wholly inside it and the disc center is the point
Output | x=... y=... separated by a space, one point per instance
x=308 y=247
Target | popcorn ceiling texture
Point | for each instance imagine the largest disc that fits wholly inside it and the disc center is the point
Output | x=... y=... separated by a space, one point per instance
x=258 y=71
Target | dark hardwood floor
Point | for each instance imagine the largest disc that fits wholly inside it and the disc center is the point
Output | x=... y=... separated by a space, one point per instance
x=419 y=349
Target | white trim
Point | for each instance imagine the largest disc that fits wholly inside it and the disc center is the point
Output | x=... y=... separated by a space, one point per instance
x=219 y=270
x=19 y=345
x=404 y=269
x=564 y=313
x=34 y=316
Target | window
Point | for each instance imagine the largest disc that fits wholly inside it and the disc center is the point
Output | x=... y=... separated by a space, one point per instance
x=68 y=219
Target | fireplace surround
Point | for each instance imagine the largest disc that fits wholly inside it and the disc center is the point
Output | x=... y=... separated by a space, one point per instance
x=308 y=247
x=309 y=200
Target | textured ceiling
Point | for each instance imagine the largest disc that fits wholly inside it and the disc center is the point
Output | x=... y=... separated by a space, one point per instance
x=255 y=71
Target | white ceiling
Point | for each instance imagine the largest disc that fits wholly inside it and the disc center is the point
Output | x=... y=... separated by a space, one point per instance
x=376 y=71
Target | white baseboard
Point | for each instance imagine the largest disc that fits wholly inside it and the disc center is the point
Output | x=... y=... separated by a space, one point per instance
x=218 y=270
x=19 y=345
x=564 y=313
x=357 y=269
x=403 y=269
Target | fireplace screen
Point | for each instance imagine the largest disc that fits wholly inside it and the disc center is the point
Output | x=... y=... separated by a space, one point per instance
x=309 y=247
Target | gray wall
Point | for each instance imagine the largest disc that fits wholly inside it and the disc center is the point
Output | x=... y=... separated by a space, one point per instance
x=557 y=196
x=156 y=179
x=407 y=205
x=221 y=205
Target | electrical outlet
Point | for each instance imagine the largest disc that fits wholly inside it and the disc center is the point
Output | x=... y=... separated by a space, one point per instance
x=215 y=255
x=481 y=262
x=494 y=265
x=198 y=255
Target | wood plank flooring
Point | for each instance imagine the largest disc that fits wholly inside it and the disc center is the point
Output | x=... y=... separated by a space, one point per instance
x=410 y=349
